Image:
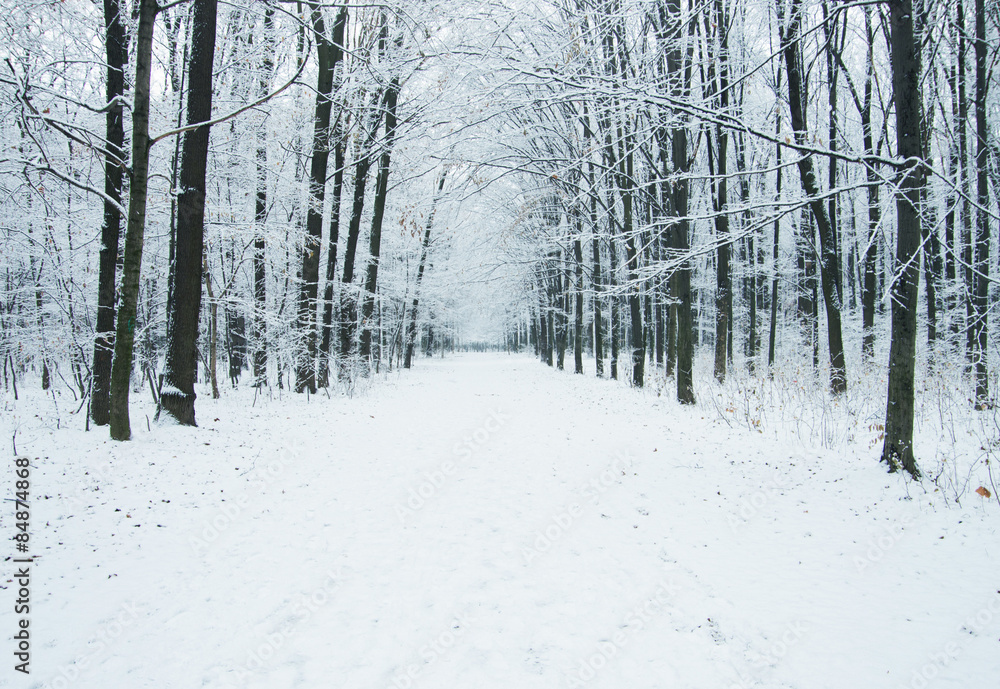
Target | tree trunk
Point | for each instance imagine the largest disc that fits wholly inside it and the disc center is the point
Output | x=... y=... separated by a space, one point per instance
x=578 y=316
x=121 y=367
x=259 y=323
x=177 y=394
x=411 y=328
x=982 y=277
x=348 y=300
x=375 y=240
x=213 y=335
x=898 y=449
x=679 y=64
x=723 y=279
x=116 y=48
x=870 y=286
x=305 y=366
x=829 y=262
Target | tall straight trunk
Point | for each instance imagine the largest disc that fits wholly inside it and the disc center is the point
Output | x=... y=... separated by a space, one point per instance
x=578 y=315
x=723 y=279
x=898 y=449
x=773 y=330
x=596 y=272
x=544 y=348
x=213 y=335
x=258 y=328
x=614 y=327
x=348 y=300
x=121 y=367
x=753 y=289
x=679 y=64
x=338 y=141
x=951 y=237
x=835 y=45
x=869 y=287
x=963 y=147
x=331 y=256
x=829 y=262
x=632 y=264
x=177 y=394
x=411 y=328
x=116 y=49
x=982 y=277
x=305 y=365
x=375 y=240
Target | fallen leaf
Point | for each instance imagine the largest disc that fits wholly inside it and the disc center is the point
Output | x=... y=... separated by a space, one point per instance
x=984 y=492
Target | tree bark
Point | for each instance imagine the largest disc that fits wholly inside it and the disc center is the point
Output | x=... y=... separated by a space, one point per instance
x=578 y=316
x=897 y=451
x=375 y=240
x=982 y=276
x=411 y=328
x=829 y=262
x=116 y=48
x=305 y=366
x=121 y=367
x=258 y=333
x=177 y=395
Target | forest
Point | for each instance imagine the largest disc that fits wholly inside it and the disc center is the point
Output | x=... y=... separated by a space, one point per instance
x=750 y=222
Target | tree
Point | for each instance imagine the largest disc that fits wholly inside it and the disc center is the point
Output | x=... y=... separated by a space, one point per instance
x=897 y=451
x=121 y=368
x=116 y=49
x=177 y=395
x=327 y=55
x=829 y=256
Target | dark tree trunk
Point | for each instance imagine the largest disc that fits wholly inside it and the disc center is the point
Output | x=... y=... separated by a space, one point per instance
x=596 y=274
x=829 y=262
x=411 y=328
x=982 y=277
x=338 y=142
x=121 y=367
x=773 y=330
x=720 y=200
x=965 y=185
x=305 y=365
x=677 y=64
x=578 y=316
x=348 y=299
x=116 y=48
x=632 y=264
x=258 y=328
x=177 y=394
x=375 y=241
x=869 y=286
x=898 y=449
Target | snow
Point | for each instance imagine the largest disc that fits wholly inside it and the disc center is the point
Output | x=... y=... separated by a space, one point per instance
x=484 y=521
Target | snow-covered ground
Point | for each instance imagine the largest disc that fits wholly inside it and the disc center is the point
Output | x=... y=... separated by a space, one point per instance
x=484 y=521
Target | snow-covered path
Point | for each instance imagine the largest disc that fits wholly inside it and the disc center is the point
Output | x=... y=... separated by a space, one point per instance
x=484 y=521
